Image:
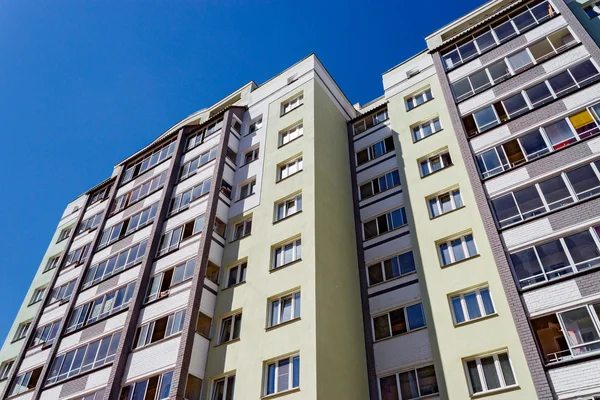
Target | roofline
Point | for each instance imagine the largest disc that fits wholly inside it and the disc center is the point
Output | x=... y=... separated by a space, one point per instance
x=405 y=61
x=462 y=19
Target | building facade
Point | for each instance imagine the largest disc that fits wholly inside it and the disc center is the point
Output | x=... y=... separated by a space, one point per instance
x=440 y=242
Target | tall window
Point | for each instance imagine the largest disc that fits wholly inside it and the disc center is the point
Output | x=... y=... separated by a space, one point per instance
x=289 y=168
x=472 y=305
x=230 y=328
x=457 y=249
x=418 y=99
x=288 y=207
x=384 y=223
x=380 y=184
x=290 y=134
x=375 y=150
x=287 y=253
x=160 y=329
x=490 y=373
x=283 y=309
x=426 y=129
x=5 y=369
x=236 y=274
x=398 y=321
x=282 y=375
x=242 y=229
x=223 y=388
x=247 y=189
x=411 y=384
x=22 y=330
x=292 y=103
x=391 y=268
x=444 y=203
x=153 y=388
x=435 y=163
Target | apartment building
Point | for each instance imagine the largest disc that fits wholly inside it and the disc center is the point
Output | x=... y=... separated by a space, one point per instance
x=440 y=242
x=588 y=13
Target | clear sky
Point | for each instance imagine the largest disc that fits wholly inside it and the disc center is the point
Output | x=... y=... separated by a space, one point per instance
x=83 y=84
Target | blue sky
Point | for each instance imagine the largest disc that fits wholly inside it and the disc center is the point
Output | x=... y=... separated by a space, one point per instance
x=83 y=84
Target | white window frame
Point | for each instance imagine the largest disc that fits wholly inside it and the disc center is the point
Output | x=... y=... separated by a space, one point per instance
x=291 y=104
x=438 y=203
x=430 y=158
x=288 y=135
x=65 y=234
x=255 y=125
x=406 y=321
x=295 y=257
x=276 y=383
x=38 y=294
x=5 y=368
x=250 y=184
x=52 y=263
x=499 y=373
x=295 y=297
x=232 y=317
x=464 y=307
x=286 y=208
x=463 y=243
x=284 y=167
x=420 y=127
x=246 y=225
x=399 y=386
x=22 y=331
x=389 y=221
x=383 y=272
x=240 y=274
x=253 y=153
x=226 y=393
x=414 y=97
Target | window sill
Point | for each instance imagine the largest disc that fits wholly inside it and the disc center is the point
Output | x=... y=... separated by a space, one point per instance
x=435 y=172
x=428 y=136
x=384 y=233
x=495 y=391
x=234 y=285
x=274 y=395
x=376 y=194
x=446 y=213
x=375 y=341
x=285 y=265
x=291 y=321
x=373 y=159
x=226 y=343
x=287 y=217
x=17 y=340
x=240 y=238
x=293 y=140
x=472 y=321
x=85 y=231
x=19 y=394
x=34 y=302
x=392 y=279
x=245 y=198
x=460 y=261
x=288 y=112
x=3 y=379
x=289 y=176
x=419 y=105
x=248 y=163
x=59 y=241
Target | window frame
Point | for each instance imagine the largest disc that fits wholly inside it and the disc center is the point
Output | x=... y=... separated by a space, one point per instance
x=5 y=368
x=384 y=273
x=250 y=185
x=407 y=323
x=292 y=372
x=233 y=327
x=246 y=226
x=389 y=223
x=254 y=152
x=464 y=246
x=38 y=294
x=295 y=297
x=415 y=372
x=228 y=380
x=289 y=105
x=22 y=331
x=499 y=373
x=285 y=135
x=438 y=203
x=240 y=274
x=428 y=160
x=297 y=162
x=464 y=307
x=412 y=99
x=296 y=243
x=376 y=185
x=296 y=198
x=431 y=123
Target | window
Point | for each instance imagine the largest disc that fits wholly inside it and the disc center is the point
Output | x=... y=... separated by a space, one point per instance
x=457 y=249
x=236 y=274
x=292 y=104
x=472 y=305
x=171 y=240
x=160 y=329
x=151 y=160
x=520 y=60
x=288 y=207
x=230 y=328
x=289 y=168
x=100 y=308
x=64 y=234
x=287 y=253
x=471 y=85
x=52 y=263
x=77 y=256
x=412 y=384
x=490 y=373
x=231 y=155
x=375 y=150
x=62 y=293
x=99 y=195
x=128 y=225
x=242 y=229
x=444 y=203
x=38 y=295
x=496 y=33
x=191 y=167
x=418 y=99
x=193 y=387
x=183 y=200
x=138 y=193
x=550 y=260
x=223 y=388
x=154 y=388
x=45 y=334
x=290 y=134
x=26 y=381
x=5 y=369
x=89 y=223
x=384 y=223
x=569 y=334
x=398 y=321
x=198 y=138
x=379 y=184
x=515 y=105
x=426 y=129
x=282 y=375
x=435 y=163
x=159 y=284
x=115 y=264
x=247 y=189
x=250 y=155
x=225 y=189
x=283 y=309
x=593 y=10
x=203 y=325
x=391 y=268
x=22 y=330
x=255 y=126
x=370 y=122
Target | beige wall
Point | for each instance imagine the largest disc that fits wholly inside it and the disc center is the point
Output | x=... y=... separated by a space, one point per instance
x=478 y=337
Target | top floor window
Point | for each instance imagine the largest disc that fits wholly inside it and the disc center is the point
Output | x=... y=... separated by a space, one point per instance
x=369 y=122
x=292 y=104
x=99 y=195
x=198 y=138
x=149 y=161
x=497 y=33
x=418 y=99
